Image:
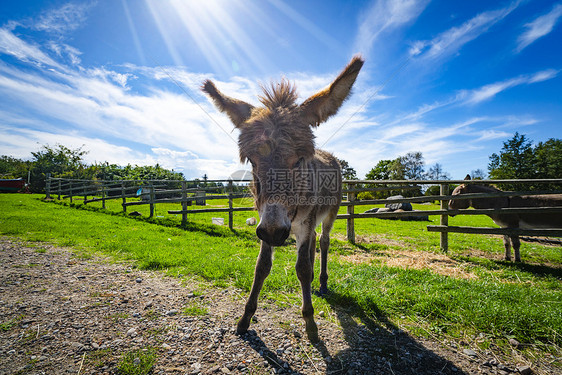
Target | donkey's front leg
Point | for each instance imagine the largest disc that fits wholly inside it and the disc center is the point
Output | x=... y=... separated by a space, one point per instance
x=263 y=266
x=305 y=273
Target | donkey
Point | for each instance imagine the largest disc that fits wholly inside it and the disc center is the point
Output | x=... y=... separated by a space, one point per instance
x=295 y=185
x=514 y=220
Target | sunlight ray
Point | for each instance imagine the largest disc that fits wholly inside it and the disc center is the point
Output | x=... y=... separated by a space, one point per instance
x=306 y=24
x=134 y=33
x=154 y=10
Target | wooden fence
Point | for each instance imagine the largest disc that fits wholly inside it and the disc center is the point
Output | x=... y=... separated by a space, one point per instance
x=151 y=193
x=186 y=194
x=352 y=187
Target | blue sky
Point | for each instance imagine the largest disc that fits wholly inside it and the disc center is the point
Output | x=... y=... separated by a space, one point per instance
x=452 y=79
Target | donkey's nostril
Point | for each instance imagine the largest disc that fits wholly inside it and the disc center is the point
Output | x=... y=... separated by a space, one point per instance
x=281 y=235
x=274 y=237
x=262 y=234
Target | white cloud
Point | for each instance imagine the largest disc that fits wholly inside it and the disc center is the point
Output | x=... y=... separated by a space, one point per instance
x=386 y=16
x=540 y=27
x=489 y=134
x=489 y=91
x=451 y=41
x=65 y=50
x=12 y=45
x=68 y=17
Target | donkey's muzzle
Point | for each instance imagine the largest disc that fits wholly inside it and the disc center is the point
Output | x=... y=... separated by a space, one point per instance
x=273 y=236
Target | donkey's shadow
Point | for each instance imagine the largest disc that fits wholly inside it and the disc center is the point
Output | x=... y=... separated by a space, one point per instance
x=537 y=270
x=256 y=343
x=377 y=346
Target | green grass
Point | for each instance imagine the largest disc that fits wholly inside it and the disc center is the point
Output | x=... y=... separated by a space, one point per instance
x=194 y=311
x=137 y=362
x=500 y=299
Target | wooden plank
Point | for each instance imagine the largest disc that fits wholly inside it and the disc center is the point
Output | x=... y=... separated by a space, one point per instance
x=439 y=182
x=151 y=199
x=203 y=210
x=456 y=212
x=431 y=198
x=499 y=231
x=230 y=212
x=386 y=188
x=350 y=227
x=189 y=199
x=184 y=203
x=444 y=219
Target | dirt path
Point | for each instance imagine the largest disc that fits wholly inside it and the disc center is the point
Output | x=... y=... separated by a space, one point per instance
x=62 y=314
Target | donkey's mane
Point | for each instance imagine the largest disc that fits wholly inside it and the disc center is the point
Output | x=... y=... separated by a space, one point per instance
x=282 y=94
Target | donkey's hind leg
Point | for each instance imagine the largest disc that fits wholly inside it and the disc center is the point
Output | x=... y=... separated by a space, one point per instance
x=327 y=225
x=507 y=245
x=516 y=245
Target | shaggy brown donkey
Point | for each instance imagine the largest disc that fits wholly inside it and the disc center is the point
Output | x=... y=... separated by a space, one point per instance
x=296 y=186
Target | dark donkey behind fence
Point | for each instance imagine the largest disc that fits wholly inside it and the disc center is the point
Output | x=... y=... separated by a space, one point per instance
x=514 y=220
x=295 y=185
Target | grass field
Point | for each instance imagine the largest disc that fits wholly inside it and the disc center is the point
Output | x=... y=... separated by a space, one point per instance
x=394 y=277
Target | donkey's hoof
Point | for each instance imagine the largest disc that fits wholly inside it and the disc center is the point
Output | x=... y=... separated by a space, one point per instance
x=242 y=327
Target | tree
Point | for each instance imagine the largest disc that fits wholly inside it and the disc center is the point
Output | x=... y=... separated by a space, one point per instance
x=11 y=167
x=381 y=171
x=59 y=161
x=409 y=166
x=347 y=172
x=478 y=174
x=515 y=161
x=436 y=172
x=548 y=159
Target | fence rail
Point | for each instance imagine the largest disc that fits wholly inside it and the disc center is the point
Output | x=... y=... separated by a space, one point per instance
x=151 y=192
x=184 y=193
x=354 y=186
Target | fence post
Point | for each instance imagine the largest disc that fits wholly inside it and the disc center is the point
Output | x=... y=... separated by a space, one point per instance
x=70 y=190
x=230 y=212
x=444 y=239
x=48 y=187
x=85 y=192
x=151 y=197
x=124 y=199
x=103 y=194
x=59 y=189
x=350 y=223
x=183 y=202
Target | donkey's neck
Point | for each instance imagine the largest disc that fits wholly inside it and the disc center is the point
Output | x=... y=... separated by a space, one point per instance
x=487 y=202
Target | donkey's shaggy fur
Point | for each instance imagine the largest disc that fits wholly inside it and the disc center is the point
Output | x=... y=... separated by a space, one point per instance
x=296 y=186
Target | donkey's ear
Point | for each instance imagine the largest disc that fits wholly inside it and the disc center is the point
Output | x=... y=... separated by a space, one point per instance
x=467 y=177
x=237 y=110
x=320 y=106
